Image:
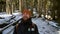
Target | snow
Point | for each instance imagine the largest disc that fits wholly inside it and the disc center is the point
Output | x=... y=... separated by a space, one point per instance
x=53 y=24
x=9 y=16
x=44 y=27
x=5 y=15
x=58 y=32
x=7 y=31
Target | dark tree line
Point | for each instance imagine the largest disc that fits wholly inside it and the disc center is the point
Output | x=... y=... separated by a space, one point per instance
x=56 y=6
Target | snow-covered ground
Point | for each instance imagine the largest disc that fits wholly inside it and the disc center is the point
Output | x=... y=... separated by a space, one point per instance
x=7 y=17
x=44 y=27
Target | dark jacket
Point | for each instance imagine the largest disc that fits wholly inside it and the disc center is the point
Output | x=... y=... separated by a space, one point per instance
x=26 y=28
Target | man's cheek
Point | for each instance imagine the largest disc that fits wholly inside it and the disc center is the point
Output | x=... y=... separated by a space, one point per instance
x=28 y=16
x=25 y=18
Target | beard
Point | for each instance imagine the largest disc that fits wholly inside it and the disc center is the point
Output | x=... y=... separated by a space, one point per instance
x=27 y=22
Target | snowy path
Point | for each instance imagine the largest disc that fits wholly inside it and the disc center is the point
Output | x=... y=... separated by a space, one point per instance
x=43 y=27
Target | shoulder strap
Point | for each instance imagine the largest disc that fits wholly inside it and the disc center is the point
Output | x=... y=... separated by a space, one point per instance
x=17 y=26
x=33 y=25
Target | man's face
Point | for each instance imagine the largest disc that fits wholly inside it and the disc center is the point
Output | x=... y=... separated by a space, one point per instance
x=26 y=16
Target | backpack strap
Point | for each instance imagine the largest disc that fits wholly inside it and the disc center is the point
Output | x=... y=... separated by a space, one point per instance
x=17 y=27
x=33 y=25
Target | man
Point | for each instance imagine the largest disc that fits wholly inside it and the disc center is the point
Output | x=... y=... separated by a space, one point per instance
x=26 y=26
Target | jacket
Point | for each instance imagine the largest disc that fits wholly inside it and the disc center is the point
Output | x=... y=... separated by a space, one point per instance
x=26 y=28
